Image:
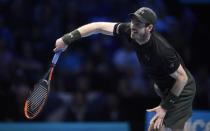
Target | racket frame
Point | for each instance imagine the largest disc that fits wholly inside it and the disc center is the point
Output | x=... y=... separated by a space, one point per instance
x=48 y=74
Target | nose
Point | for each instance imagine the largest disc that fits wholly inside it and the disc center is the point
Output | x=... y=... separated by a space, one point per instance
x=133 y=26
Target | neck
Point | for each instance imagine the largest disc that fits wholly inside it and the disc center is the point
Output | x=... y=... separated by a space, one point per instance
x=147 y=38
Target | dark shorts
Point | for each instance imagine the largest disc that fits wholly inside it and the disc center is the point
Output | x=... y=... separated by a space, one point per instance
x=181 y=111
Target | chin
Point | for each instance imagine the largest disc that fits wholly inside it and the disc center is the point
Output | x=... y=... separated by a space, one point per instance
x=132 y=35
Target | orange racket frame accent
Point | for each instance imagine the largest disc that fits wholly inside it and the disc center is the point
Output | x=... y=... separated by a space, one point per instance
x=36 y=113
x=42 y=105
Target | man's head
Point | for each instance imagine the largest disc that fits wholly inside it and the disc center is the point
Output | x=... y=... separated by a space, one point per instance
x=142 y=23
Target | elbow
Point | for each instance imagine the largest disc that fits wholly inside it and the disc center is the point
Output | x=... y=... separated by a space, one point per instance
x=183 y=79
x=101 y=27
x=97 y=27
x=89 y=29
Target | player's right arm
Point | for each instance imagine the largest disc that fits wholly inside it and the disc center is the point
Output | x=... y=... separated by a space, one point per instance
x=105 y=28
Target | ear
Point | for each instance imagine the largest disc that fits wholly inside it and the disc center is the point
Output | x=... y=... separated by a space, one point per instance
x=149 y=27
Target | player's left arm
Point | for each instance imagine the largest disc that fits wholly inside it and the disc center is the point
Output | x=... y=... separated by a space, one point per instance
x=173 y=67
x=181 y=80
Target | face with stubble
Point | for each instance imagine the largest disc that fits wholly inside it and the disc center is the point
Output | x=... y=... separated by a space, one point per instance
x=139 y=31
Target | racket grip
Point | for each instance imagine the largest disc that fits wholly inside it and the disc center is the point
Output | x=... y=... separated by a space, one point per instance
x=55 y=57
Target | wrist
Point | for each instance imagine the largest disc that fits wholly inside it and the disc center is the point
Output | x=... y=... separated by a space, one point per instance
x=71 y=37
x=169 y=101
x=163 y=108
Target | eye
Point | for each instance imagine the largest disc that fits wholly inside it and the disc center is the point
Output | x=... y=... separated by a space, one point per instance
x=134 y=23
x=138 y=24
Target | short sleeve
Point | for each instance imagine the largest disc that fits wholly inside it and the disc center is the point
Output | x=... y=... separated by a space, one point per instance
x=121 y=29
x=171 y=61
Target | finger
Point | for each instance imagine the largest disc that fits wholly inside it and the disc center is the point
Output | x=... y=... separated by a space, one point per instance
x=157 y=122
x=151 y=127
x=55 y=49
x=151 y=110
x=161 y=124
x=153 y=119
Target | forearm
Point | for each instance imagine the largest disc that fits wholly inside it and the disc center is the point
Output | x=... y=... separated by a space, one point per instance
x=106 y=28
x=97 y=27
x=174 y=93
x=179 y=86
x=87 y=30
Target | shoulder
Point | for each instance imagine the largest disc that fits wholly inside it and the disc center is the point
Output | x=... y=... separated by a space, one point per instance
x=162 y=45
x=122 y=28
x=123 y=25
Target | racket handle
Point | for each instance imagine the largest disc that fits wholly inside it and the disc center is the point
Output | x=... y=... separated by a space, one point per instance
x=55 y=57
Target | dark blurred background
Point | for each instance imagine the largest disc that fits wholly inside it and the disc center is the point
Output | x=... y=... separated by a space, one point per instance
x=98 y=78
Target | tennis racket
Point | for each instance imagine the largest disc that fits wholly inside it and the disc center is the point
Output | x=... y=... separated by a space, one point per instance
x=38 y=97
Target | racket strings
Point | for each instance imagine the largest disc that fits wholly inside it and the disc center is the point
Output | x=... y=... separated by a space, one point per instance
x=33 y=108
x=37 y=98
x=39 y=91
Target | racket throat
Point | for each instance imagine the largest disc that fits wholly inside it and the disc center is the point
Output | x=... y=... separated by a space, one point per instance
x=51 y=74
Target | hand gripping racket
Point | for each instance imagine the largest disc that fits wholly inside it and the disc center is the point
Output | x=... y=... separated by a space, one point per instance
x=38 y=97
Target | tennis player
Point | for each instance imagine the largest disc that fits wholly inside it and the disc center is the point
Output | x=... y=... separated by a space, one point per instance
x=172 y=80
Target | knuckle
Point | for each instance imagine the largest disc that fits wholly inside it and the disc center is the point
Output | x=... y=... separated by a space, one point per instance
x=57 y=40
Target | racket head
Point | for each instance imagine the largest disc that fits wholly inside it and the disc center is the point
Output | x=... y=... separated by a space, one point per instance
x=35 y=102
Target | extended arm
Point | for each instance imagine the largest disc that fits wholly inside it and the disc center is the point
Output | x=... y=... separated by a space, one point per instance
x=97 y=27
x=83 y=31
